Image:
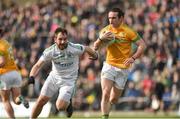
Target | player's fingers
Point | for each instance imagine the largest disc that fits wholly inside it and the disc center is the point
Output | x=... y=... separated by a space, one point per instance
x=127 y=62
x=109 y=34
x=110 y=38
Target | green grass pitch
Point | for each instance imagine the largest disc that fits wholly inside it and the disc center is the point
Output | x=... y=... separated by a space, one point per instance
x=116 y=115
x=121 y=115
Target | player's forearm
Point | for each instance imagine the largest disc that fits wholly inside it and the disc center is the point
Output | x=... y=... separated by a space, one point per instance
x=92 y=53
x=34 y=71
x=139 y=51
x=97 y=44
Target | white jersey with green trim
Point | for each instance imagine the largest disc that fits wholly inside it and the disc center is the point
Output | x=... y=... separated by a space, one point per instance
x=65 y=63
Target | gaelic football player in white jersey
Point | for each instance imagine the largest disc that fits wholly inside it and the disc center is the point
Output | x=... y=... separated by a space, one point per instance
x=64 y=56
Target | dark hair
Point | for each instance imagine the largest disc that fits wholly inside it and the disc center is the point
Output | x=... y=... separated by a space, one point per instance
x=59 y=29
x=120 y=12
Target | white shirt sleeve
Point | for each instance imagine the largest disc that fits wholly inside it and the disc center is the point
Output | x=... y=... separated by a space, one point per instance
x=78 y=49
x=47 y=55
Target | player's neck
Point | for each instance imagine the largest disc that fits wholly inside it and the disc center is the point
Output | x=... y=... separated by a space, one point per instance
x=117 y=25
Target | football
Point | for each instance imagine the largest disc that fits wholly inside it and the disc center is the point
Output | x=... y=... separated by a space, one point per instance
x=107 y=42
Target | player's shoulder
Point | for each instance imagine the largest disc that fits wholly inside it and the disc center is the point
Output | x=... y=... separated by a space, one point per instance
x=127 y=28
x=3 y=41
x=4 y=44
x=50 y=48
x=106 y=28
x=75 y=46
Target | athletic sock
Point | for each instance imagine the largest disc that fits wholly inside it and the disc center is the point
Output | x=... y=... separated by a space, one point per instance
x=24 y=102
x=21 y=98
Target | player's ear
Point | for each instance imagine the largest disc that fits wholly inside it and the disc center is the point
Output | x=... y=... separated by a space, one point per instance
x=54 y=37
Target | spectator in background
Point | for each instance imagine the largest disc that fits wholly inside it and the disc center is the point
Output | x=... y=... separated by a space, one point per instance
x=147 y=86
x=132 y=94
x=167 y=100
x=159 y=90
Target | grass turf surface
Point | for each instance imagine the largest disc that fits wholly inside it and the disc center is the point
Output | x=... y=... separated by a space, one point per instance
x=121 y=115
x=115 y=115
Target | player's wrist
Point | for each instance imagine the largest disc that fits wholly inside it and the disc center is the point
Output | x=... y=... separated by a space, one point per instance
x=31 y=80
x=133 y=58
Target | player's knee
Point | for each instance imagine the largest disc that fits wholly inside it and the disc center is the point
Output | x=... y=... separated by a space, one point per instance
x=5 y=99
x=106 y=96
x=60 y=107
x=114 y=100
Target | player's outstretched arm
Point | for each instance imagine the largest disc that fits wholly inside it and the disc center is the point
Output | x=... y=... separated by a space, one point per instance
x=93 y=54
x=34 y=71
x=97 y=44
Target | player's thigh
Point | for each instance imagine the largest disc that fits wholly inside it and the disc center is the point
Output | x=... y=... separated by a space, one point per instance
x=66 y=92
x=10 y=79
x=106 y=85
x=50 y=87
x=42 y=100
x=119 y=84
x=107 y=77
x=121 y=78
x=115 y=93
x=5 y=94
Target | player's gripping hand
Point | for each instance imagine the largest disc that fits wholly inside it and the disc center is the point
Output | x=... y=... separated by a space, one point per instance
x=106 y=35
x=31 y=80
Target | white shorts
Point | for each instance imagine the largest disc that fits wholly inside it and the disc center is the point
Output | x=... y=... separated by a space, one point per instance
x=117 y=75
x=10 y=80
x=53 y=83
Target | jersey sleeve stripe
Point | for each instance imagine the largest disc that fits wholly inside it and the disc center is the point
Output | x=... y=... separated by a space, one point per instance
x=77 y=46
x=137 y=38
x=1 y=54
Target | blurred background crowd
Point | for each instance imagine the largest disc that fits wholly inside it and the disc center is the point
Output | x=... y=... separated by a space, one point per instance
x=154 y=81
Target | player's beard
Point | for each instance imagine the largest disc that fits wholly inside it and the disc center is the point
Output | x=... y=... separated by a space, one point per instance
x=63 y=46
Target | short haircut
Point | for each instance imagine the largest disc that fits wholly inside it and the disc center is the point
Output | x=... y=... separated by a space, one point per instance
x=120 y=12
x=59 y=29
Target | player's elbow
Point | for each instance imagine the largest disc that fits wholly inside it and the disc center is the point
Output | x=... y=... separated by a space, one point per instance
x=143 y=45
x=2 y=61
